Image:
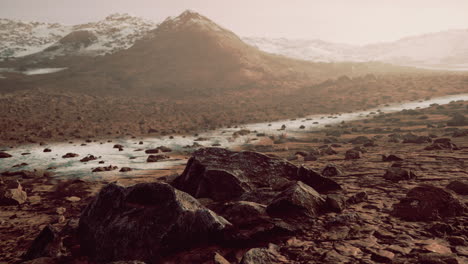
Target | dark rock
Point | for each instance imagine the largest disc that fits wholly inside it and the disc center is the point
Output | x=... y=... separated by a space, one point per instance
x=357 y=198
x=4 y=155
x=335 y=203
x=329 y=151
x=458 y=187
x=156 y=158
x=301 y=153
x=47 y=150
x=458 y=120
x=353 y=154
x=396 y=174
x=125 y=169
x=144 y=222
x=360 y=140
x=88 y=158
x=442 y=143
x=310 y=158
x=44 y=245
x=297 y=200
x=118 y=146
x=108 y=168
x=320 y=183
x=427 y=202
x=70 y=155
x=221 y=174
x=20 y=165
x=263 y=256
x=411 y=138
x=370 y=144
x=390 y=158
x=11 y=193
x=152 y=151
x=331 y=170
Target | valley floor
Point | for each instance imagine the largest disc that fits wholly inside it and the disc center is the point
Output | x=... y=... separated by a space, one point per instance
x=369 y=234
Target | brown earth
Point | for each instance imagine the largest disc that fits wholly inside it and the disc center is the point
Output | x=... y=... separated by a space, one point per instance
x=374 y=236
x=39 y=115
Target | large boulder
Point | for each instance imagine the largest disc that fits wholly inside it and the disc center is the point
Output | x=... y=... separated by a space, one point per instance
x=11 y=193
x=299 y=199
x=426 y=202
x=222 y=174
x=144 y=222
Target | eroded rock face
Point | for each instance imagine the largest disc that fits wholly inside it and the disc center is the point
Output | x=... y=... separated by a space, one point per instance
x=144 y=222
x=297 y=200
x=427 y=202
x=222 y=174
x=11 y=193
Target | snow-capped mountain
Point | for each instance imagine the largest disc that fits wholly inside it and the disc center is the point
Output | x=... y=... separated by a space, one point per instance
x=115 y=32
x=441 y=50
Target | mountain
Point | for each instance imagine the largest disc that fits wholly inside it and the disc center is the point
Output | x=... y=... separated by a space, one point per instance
x=192 y=55
x=115 y=32
x=441 y=50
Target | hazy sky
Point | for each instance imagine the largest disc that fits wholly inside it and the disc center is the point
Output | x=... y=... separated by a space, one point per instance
x=347 y=21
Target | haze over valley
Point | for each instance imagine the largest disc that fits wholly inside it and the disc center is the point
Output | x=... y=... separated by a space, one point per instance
x=175 y=136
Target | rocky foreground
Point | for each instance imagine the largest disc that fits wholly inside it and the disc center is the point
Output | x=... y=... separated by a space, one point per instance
x=389 y=189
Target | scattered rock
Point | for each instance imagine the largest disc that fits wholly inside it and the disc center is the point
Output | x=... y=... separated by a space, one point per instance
x=144 y=222
x=320 y=183
x=263 y=256
x=396 y=174
x=427 y=202
x=442 y=143
x=335 y=203
x=297 y=200
x=70 y=155
x=411 y=138
x=360 y=140
x=391 y=158
x=156 y=158
x=43 y=244
x=88 y=158
x=47 y=150
x=329 y=151
x=118 y=146
x=125 y=169
x=4 y=155
x=353 y=154
x=331 y=170
x=357 y=198
x=108 y=168
x=458 y=187
x=11 y=193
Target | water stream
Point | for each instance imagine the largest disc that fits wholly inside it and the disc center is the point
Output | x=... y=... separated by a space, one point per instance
x=133 y=154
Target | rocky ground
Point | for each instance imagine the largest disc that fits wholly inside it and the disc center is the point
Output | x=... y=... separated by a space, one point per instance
x=389 y=189
x=38 y=115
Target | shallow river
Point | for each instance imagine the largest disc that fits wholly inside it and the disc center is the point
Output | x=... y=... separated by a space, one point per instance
x=132 y=157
